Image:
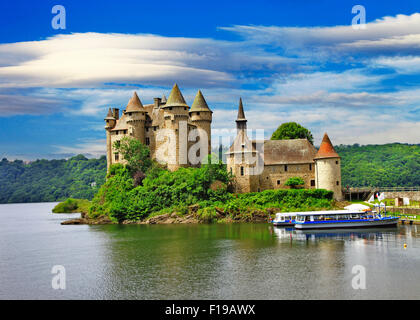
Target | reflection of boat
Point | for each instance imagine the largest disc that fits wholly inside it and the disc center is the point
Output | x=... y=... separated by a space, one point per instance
x=284 y=219
x=337 y=234
x=342 y=219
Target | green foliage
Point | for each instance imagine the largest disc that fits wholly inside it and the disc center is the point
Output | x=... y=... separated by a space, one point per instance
x=135 y=153
x=292 y=130
x=50 y=180
x=161 y=189
x=389 y=165
x=164 y=191
x=72 y=205
x=294 y=182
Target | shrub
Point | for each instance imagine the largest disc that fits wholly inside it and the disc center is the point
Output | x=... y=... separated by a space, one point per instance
x=294 y=182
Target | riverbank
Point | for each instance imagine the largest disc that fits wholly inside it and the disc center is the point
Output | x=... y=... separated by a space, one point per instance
x=194 y=216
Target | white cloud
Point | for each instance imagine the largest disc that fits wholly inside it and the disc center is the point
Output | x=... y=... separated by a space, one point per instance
x=89 y=148
x=404 y=64
x=92 y=59
x=401 y=32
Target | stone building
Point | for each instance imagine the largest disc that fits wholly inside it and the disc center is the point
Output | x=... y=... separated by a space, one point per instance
x=163 y=126
x=268 y=164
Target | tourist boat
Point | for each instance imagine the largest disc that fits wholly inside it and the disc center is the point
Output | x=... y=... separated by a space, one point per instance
x=342 y=219
x=284 y=219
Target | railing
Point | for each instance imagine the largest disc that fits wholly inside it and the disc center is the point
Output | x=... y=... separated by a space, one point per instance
x=381 y=189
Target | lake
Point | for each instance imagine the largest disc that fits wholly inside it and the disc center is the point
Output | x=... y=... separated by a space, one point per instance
x=218 y=261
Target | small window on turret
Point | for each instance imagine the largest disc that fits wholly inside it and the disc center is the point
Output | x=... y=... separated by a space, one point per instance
x=310 y=167
x=117 y=156
x=170 y=108
x=336 y=162
x=198 y=113
x=147 y=141
x=242 y=171
x=338 y=183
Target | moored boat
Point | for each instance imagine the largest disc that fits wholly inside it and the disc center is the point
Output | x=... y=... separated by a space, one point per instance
x=342 y=219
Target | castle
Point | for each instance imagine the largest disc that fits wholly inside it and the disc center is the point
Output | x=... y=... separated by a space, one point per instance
x=164 y=127
x=172 y=130
x=268 y=164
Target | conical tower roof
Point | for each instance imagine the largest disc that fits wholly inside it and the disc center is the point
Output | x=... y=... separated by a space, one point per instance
x=109 y=116
x=175 y=98
x=199 y=103
x=326 y=150
x=241 y=113
x=134 y=105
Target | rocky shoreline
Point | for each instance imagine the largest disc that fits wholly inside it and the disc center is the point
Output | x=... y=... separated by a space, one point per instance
x=174 y=218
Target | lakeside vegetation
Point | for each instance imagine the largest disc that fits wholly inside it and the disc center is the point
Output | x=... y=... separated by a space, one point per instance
x=51 y=180
x=56 y=180
x=388 y=165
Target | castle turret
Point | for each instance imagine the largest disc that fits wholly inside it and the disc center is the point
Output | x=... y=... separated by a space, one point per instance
x=110 y=122
x=241 y=120
x=328 y=168
x=201 y=116
x=176 y=119
x=241 y=157
x=136 y=118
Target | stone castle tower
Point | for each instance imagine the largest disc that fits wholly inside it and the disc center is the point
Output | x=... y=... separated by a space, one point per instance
x=268 y=164
x=166 y=127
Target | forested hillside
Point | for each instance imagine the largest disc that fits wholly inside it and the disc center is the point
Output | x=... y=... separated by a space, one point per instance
x=55 y=180
x=388 y=165
x=50 y=180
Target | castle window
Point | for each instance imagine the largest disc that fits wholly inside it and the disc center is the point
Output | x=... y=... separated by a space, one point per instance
x=117 y=156
x=310 y=167
x=154 y=128
x=338 y=183
x=336 y=162
x=198 y=113
x=170 y=108
x=242 y=171
x=147 y=141
x=129 y=113
x=312 y=183
x=258 y=189
x=278 y=182
x=285 y=167
x=231 y=170
x=147 y=129
x=185 y=108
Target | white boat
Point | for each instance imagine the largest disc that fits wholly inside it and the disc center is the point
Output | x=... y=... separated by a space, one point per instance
x=284 y=219
x=342 y=219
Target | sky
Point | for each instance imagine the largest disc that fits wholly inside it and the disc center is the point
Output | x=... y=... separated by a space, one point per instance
x=297 y=60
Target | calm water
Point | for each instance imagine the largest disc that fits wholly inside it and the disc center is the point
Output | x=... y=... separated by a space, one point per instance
x=243 y=261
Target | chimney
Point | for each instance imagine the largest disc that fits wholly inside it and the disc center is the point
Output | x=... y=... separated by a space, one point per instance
x=156 y=102
x=116 y=112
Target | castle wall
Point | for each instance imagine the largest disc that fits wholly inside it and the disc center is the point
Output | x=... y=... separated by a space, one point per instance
x=275 y=176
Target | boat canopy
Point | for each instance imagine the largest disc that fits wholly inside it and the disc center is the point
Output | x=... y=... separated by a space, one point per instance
x=327 y=212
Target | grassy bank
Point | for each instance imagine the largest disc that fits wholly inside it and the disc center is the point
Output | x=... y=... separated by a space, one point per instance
x=73 y=206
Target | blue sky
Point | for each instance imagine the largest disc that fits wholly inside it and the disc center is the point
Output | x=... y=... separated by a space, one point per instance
x=295 y=60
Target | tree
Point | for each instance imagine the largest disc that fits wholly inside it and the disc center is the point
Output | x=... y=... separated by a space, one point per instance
x=135 y=153
x=294 y=182
x=292 y=130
